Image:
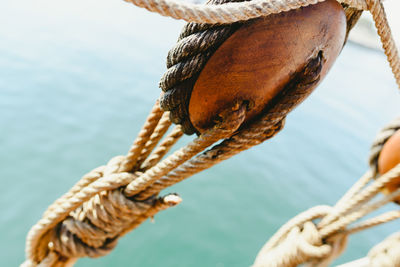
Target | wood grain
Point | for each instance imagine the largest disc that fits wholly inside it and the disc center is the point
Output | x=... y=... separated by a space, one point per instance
x=260 y=58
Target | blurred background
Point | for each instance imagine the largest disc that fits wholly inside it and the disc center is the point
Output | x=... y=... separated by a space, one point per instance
x=77 y=79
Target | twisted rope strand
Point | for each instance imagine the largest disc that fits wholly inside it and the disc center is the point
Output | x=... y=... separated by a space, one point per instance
x=229 y=125
x=365 y=195
x=163 y=148
x=378 y=13
x=162 y=127
x=378 y=220
x=143 y=136
x=230 y=12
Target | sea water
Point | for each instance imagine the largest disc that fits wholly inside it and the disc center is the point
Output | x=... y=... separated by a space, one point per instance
x=77 y=80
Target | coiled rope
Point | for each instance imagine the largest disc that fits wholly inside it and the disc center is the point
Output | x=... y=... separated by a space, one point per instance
x=113 y=199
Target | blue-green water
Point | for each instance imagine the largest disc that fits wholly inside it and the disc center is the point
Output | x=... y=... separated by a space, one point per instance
x=76 y=83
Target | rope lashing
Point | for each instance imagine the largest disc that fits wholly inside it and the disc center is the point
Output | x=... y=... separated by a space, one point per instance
x=380 y=140
x=196 y=44
x=303 y=240
x=140 y=185
x=112 y=200
x=92 y=198
x=325 y=240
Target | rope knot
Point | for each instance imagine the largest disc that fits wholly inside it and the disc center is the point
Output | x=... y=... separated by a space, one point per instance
x=300 y=241
x=386 y=253
x=302 y=244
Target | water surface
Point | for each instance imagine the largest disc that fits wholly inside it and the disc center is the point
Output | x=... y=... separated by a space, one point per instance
x=77 y=80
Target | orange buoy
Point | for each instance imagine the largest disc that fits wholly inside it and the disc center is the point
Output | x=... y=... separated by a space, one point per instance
x=256 y=62
x=388 y=159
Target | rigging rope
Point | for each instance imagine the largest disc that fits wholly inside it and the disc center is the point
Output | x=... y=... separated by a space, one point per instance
x=113 y=199
x=302 y=240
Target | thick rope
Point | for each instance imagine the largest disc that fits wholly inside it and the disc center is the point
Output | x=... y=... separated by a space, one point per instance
x=257 y=132
x=229 y=13
x=103 y=196
x=67 y=216
x=230 y=124
x=186 y=59
x=89 y=219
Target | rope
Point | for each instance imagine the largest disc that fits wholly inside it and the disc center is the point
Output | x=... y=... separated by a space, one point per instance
x=89 y=219
x=163 y=148
x=196 y=44
x=229 y=125
x=110 y=177
x=113 y=199
x=380 y=141
x=257 y=132
x=229 y=13
x=144 y=135
x=302 y=240
x=386 y=253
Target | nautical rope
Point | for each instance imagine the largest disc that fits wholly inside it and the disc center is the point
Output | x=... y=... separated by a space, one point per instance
x=113 y=199
x=229 y=13
x=93 y=193
x=386 y=253
x=88 y=219
x=302 y=240
x=144 y=135
x=380 y=141
x=292 y=244
x=186 y=59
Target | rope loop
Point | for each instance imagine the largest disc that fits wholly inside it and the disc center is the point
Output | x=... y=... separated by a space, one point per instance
x=300 y=241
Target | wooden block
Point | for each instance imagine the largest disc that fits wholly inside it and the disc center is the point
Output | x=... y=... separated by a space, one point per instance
x=388 y=159
x=259 y=59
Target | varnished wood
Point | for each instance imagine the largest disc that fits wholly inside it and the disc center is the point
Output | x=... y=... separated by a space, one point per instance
x=388 y=159
x=260 y=58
